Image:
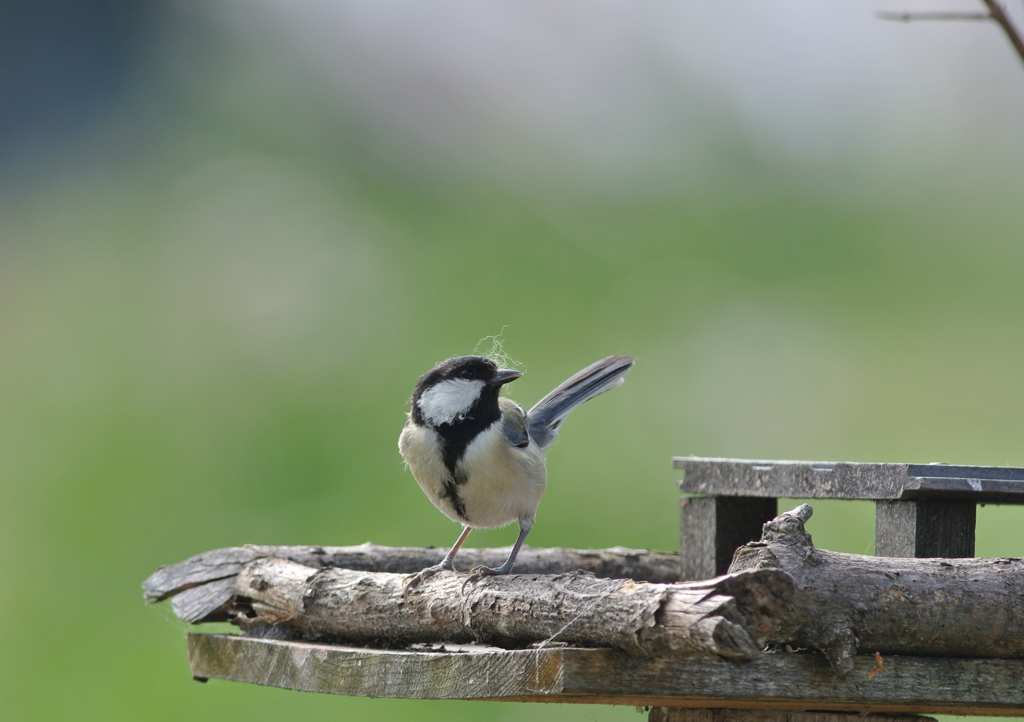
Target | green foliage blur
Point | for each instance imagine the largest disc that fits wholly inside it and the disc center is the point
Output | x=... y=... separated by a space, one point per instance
x=215 y=300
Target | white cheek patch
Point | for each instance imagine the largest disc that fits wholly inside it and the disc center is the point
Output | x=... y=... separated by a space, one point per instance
x=449 y=400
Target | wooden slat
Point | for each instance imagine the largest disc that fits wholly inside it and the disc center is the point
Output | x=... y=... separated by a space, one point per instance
x=847 y=480
x=912 y=685
x=462 y=672
x=682 y=714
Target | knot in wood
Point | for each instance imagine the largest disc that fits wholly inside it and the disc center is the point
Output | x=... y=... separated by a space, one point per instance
x=788 y=528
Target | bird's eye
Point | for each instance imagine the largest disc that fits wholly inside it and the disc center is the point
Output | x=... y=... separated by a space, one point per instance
x=466 y=373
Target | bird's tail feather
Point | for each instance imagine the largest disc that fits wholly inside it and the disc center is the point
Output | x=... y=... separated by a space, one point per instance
x=549 y=413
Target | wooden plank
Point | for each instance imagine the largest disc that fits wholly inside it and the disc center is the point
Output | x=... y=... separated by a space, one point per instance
x=847 y=480
x=462 y=672
x=925 y=528
x=682 y=714
x=912 y=685
x=712 y=528
x=805 y=681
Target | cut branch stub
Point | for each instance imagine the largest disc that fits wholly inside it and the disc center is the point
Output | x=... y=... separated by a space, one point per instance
x=931 y=607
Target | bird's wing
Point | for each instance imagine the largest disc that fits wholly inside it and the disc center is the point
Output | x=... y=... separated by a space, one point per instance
x=544 y=419
x=514 y=423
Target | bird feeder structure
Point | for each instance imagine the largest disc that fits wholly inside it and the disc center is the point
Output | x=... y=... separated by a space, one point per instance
x=749 y=623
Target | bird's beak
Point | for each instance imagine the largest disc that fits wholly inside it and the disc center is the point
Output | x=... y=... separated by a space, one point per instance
x=504 y=376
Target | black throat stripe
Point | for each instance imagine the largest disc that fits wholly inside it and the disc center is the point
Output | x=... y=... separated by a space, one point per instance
x=456 y=437
x=451 y=493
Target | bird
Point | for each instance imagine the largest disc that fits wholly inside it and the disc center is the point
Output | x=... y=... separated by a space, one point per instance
x=478 y=456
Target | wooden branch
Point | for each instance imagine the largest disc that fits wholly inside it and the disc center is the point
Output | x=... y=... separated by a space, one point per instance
x=203 y=585
x=1000 y=16
x=909 y=16
x=784 y=682
x=995 y=12
x=727 y=617
x=849 y=602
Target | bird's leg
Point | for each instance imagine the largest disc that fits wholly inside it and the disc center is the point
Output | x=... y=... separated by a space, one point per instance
x=446 y=564
x=478 y=573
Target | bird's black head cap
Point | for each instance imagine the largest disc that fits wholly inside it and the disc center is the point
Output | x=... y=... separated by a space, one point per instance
x=470 y=368
x=466 y=368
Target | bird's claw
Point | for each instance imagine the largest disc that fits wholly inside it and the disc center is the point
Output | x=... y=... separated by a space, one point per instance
x=413 y=580
x=478 y=573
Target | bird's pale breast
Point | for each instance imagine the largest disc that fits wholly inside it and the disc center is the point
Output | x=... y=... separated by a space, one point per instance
x=502 y=484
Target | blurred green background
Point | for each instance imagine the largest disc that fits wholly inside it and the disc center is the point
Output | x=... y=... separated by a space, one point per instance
x=233 y=234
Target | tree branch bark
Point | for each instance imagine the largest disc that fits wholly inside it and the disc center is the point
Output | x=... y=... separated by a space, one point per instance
x=930 y=607
x=727 y=617
x=203 y=584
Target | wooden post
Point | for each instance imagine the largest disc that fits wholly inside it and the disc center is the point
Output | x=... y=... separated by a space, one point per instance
x=713 y=527
x=925 y=528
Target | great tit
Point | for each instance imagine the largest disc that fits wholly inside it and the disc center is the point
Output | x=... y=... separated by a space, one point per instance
x=480 y=457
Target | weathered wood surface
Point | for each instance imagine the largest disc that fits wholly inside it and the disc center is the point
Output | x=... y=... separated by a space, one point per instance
x=849 y=603
x=712 y=527
x=204 y=584
x=683 y=714
x=780 y=681
x=847 y=480
x=728 y=617
x=925 y=528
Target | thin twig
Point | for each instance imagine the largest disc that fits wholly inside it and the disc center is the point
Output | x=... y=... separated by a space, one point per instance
x=1000 y=16
x=995 y=12
x=907 y=17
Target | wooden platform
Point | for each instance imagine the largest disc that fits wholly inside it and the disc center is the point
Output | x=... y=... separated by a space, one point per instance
x=921 y=510
x=792 y=682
